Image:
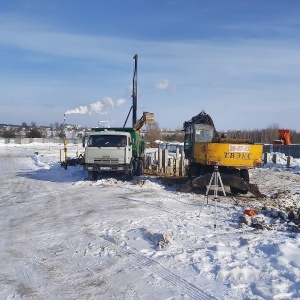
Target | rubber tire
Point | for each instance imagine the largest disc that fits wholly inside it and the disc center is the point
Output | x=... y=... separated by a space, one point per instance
x=195 y=171
x=140 y=169
x=244 y=175
x=92 y=175
x=234 y=190
x=129 y=171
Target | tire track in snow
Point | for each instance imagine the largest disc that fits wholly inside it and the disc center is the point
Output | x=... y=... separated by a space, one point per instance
x=188 y=288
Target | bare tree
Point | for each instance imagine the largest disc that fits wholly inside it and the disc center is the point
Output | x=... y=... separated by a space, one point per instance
x=272 y=133
x=152 y=132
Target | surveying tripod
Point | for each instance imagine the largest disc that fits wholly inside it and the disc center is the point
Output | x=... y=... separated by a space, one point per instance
x=216 y=181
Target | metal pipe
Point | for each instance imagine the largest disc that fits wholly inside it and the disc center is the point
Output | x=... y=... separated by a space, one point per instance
x=65 y=142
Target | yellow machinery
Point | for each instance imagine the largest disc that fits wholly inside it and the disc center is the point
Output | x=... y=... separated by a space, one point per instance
x=204 y=149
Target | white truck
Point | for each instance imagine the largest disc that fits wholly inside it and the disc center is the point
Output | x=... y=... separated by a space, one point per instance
x=114 y=150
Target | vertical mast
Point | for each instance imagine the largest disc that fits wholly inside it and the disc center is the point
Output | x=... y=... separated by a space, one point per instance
x=134 y=92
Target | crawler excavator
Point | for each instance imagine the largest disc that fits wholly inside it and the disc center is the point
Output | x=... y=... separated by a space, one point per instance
x=205 y=148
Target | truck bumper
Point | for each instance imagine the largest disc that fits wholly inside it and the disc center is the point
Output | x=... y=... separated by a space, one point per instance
x=105 y=168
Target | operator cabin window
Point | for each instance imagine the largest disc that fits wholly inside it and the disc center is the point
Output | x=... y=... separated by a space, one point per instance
x=203 y=135
x=188 y=137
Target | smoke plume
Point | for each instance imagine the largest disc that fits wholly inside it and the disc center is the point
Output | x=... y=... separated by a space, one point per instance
x=99 y=107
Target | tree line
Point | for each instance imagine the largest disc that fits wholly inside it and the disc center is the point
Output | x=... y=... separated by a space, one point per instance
x=263 y=136
x=153 y=132
x=33 y=131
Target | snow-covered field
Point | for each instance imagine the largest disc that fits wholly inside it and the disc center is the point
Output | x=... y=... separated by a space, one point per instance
x=64 y=237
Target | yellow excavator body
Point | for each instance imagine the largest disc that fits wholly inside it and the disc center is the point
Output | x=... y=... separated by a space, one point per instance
x=228 y=154
x=205 y=149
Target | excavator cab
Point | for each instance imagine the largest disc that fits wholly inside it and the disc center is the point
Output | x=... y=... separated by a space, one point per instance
x=203 y=133
x=196 y=133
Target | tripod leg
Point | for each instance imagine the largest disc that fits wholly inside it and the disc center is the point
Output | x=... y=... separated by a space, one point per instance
x=216 y=187
x=209 y=185
x=216 y=184
x=221 y=183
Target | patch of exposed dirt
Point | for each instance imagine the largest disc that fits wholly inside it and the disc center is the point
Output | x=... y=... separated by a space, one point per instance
x=173 y=180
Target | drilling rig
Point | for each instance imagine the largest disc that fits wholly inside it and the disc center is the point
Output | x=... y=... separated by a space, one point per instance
x=118 y=149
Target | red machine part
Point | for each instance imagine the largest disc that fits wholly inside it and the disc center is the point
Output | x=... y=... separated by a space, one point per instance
x=284 y=135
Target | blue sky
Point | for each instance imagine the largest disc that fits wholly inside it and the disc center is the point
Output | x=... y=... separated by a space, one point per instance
x=237 y=60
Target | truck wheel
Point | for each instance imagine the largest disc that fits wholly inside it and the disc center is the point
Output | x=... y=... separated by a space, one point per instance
x=139 y=169
x=129 y=172
x=92 y=175
x=129 y=175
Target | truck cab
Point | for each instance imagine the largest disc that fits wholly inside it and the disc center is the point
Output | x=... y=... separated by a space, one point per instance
x=114 y=150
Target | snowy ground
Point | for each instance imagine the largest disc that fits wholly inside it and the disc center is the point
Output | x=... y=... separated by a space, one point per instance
x=64 y=237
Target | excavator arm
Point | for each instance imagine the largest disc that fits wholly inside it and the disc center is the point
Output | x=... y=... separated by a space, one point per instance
x=147 y=118
x=202 y=118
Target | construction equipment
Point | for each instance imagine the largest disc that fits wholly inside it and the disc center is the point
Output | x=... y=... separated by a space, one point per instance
x=115 y=150
x=284 y=137
x=119 y=149
x=147 y=118
x=205 y=148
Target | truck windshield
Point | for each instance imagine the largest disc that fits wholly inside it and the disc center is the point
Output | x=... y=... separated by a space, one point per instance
x=107 y=141
x=203 y=135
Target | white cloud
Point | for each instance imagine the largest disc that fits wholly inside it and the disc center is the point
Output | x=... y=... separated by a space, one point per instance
x=96 y=107
x=108 y=102
x=120 y=101
x=163 y=85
